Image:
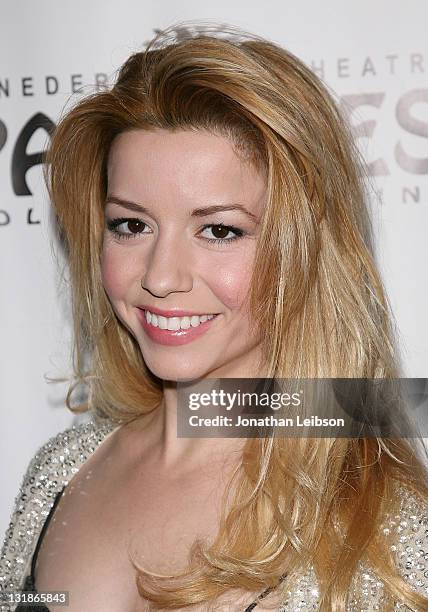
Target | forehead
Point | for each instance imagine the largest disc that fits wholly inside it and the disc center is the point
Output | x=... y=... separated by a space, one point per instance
x=193 y=166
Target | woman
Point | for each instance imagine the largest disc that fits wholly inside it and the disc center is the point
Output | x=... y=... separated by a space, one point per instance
x=213 y=211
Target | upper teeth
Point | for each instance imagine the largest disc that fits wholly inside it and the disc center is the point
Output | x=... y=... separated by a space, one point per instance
x=175 y=323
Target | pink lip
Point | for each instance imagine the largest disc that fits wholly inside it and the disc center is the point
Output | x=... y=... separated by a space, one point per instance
x=173 y=338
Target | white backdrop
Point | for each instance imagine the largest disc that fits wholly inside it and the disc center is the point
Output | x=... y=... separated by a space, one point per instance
x=374 y=54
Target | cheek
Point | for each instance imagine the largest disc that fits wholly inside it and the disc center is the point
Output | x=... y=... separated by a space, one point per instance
x=231 y=284
x=116 y=276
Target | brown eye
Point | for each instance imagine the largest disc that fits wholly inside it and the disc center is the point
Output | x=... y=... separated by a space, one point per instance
x=222 y=234
x=135 y=225
x=220 y=231
x=126 y=227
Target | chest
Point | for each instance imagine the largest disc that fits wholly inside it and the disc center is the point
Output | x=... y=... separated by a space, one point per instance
x=109 y=516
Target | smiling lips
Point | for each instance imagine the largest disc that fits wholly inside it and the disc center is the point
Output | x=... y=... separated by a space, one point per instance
x=175 y=330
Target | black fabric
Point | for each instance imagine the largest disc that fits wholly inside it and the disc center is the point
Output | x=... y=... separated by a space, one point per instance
x=30 y=607
x=30 y=583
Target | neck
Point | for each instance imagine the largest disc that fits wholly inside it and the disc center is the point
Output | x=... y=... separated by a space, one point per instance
x=160 y=427
x=172 y=449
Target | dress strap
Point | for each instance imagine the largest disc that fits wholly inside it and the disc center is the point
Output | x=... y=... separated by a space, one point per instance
x=42 y=533
x=264 y=594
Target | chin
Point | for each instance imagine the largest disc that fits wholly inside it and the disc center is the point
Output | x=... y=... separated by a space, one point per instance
x=177 y=371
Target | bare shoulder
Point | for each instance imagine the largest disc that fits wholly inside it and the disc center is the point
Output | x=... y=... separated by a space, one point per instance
x=50 y=469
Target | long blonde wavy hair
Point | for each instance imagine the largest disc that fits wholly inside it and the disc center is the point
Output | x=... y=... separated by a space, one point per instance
x=317 y=295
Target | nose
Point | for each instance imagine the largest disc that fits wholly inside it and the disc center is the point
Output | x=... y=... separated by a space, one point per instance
x=168 y=267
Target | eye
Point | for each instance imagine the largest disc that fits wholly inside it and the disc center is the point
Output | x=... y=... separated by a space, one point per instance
x=135 y=227
x=220 y=233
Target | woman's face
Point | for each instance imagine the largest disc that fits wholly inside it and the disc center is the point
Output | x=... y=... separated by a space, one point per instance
x=164 y=252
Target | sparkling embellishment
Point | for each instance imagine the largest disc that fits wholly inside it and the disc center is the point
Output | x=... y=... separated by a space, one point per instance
x=62 y=456
x=52 y=467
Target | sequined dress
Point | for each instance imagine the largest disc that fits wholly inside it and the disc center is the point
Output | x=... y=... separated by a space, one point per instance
x=57 y=461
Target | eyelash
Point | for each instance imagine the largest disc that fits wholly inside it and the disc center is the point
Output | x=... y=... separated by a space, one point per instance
x=113 y=224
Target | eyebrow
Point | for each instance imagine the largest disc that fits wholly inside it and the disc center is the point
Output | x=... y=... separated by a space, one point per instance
x=197 y=212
